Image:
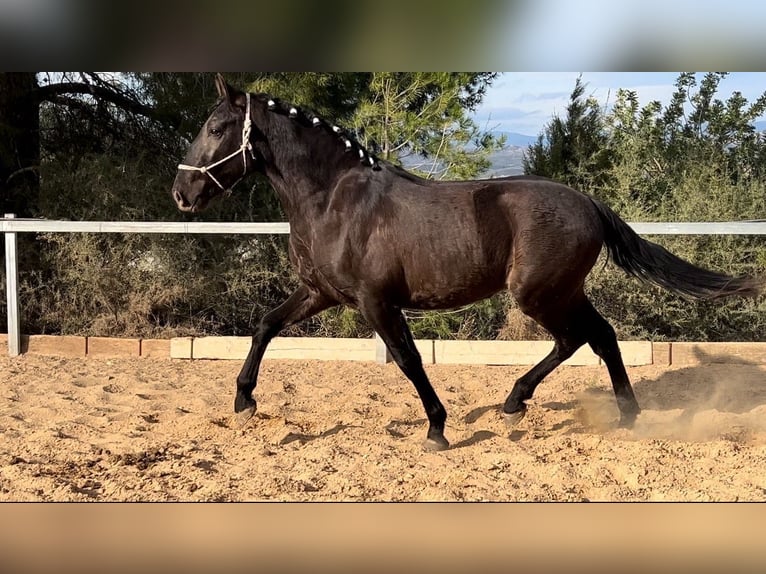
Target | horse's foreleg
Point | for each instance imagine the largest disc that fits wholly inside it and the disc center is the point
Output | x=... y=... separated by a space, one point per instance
x=390 y=324
x=302 y=304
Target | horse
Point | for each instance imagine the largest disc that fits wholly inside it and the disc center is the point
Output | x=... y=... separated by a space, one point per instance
x=371 y=235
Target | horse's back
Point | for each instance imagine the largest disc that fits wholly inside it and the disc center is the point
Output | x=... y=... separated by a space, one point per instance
x=530 y=231
x=459 y=241
x=532 y=208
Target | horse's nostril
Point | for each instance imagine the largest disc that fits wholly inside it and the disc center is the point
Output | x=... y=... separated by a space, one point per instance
x=180 y=200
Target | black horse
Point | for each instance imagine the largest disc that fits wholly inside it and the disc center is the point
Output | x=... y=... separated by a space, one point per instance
x=371 y=235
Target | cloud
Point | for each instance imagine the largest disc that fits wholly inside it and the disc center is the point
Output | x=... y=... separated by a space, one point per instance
x=509 y=113
x=525 y=102
x=546 y=95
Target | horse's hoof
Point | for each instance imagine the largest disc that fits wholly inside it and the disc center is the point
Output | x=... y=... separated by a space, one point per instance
x=243 y=417
x=629 y=411
x=245 y=408
x=512 y=419
x=243 y=403
x=627 y=421
x=435 y=444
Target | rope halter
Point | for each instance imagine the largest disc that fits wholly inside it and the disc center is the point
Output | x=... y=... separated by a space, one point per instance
x=243 y=149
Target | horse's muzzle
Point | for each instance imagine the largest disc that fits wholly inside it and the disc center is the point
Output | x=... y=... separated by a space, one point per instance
x=183 y=204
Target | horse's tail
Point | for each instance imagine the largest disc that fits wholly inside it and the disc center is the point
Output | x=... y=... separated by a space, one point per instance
x=653 y=263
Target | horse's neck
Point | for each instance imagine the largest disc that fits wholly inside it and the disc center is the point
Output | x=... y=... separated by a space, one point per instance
x=297 y=193
x=302 y=202
x=303 y=177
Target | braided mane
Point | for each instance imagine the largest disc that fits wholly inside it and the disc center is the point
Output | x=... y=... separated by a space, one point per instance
x=309 y=118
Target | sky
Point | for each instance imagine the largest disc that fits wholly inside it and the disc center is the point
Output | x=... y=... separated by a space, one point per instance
x=523 y=102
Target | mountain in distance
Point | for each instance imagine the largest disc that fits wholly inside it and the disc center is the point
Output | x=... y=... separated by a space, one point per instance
x=503 y=162
x=508 y=160
x=515 y=138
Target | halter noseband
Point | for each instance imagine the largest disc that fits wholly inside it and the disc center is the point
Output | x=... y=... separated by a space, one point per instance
x=243 y=149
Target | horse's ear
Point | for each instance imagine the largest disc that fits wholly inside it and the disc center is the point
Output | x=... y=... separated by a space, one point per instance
x=221 y=86
x=228 y=93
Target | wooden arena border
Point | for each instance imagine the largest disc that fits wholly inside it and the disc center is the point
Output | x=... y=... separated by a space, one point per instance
x=634 y=353
x=477 y=352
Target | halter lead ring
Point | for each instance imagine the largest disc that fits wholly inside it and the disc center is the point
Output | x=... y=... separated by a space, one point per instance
x=243 y=149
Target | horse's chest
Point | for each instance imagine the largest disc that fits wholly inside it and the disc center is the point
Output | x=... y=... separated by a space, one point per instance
x=302 y=259
x=317 y=269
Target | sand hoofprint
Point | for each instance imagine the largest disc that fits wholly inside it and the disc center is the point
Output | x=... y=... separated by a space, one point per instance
x=153 y=430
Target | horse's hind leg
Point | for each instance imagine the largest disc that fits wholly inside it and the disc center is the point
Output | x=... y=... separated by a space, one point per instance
x=566 y=343
x=390 y=324
x=603 y=341
x=302 y=304
x=572 y=327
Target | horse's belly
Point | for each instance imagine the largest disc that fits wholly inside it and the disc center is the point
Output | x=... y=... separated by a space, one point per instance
x=449 y=288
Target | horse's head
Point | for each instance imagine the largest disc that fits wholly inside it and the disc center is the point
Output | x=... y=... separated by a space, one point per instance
x=247 y=133
x=220 y=155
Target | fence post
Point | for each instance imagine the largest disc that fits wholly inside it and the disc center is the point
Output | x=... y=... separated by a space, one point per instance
x=382 y=356
x=12 y=292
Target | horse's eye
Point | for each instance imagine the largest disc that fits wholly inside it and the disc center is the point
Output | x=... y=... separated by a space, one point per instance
x=215 y=132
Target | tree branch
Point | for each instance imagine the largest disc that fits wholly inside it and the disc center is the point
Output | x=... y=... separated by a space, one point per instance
x=52 y=91
x=31 y=168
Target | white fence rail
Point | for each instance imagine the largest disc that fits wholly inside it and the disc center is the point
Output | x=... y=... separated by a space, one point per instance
x=10 y=226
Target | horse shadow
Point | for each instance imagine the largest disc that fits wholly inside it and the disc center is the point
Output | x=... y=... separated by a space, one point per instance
x=722 y=382
x=715 y=382
x=305 y=438
x=721 y=385
x=395 y=428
